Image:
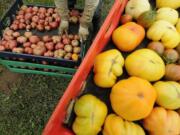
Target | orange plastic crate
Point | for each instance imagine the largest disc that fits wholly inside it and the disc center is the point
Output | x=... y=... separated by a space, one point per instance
x=55 y=124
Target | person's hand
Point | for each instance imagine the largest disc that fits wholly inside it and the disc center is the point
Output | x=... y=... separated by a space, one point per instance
x=63 y=28
x=83 y=33
x=87 y=16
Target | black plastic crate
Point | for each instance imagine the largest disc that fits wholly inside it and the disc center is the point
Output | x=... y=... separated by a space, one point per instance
x=8 y=18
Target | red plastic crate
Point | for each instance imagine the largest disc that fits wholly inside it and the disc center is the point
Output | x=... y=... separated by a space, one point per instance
x=55 y=123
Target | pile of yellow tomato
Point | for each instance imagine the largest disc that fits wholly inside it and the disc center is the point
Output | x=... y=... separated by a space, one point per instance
x=148 y=101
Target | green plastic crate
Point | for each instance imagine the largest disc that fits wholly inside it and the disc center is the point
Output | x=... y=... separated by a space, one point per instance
x=33 y=68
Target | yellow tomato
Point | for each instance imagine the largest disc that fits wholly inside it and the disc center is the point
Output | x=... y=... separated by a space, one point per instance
x=178 y=26
x=168 y=14
x=146 y=64
x=164 y=31
x=168 y=94
x=168 y=3
x=115 y=125
x=91 y=113
x=107 y=67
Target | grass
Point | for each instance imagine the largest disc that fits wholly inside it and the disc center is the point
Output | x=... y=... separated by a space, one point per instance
x=4 y=6
x=26 y=108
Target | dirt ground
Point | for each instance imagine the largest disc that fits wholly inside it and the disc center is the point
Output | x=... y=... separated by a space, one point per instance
x=8 y=79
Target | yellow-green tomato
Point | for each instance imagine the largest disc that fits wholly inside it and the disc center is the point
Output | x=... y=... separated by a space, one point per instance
x=91 y=113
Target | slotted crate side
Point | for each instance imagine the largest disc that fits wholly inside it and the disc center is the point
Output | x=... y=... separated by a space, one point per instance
x=31 y=68
x=55 y=125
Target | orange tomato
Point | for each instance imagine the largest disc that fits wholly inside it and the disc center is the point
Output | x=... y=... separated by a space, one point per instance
x=128 y=36
x=75 y=57
x=126 y=18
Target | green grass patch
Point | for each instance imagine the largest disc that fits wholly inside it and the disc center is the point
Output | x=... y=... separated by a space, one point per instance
x=4 y=5
x=26 y=110
x=40 y=2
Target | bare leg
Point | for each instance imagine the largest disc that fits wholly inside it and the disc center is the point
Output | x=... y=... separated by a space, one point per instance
x=63 y=11
x=71 y=3
x=62 y=6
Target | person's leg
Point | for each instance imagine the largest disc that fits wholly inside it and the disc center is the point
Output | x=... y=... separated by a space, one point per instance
x=71 y=3
x=63 y=11
x=87 y=17
x=98 y=9
x=97 y=17
x=62 y=7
